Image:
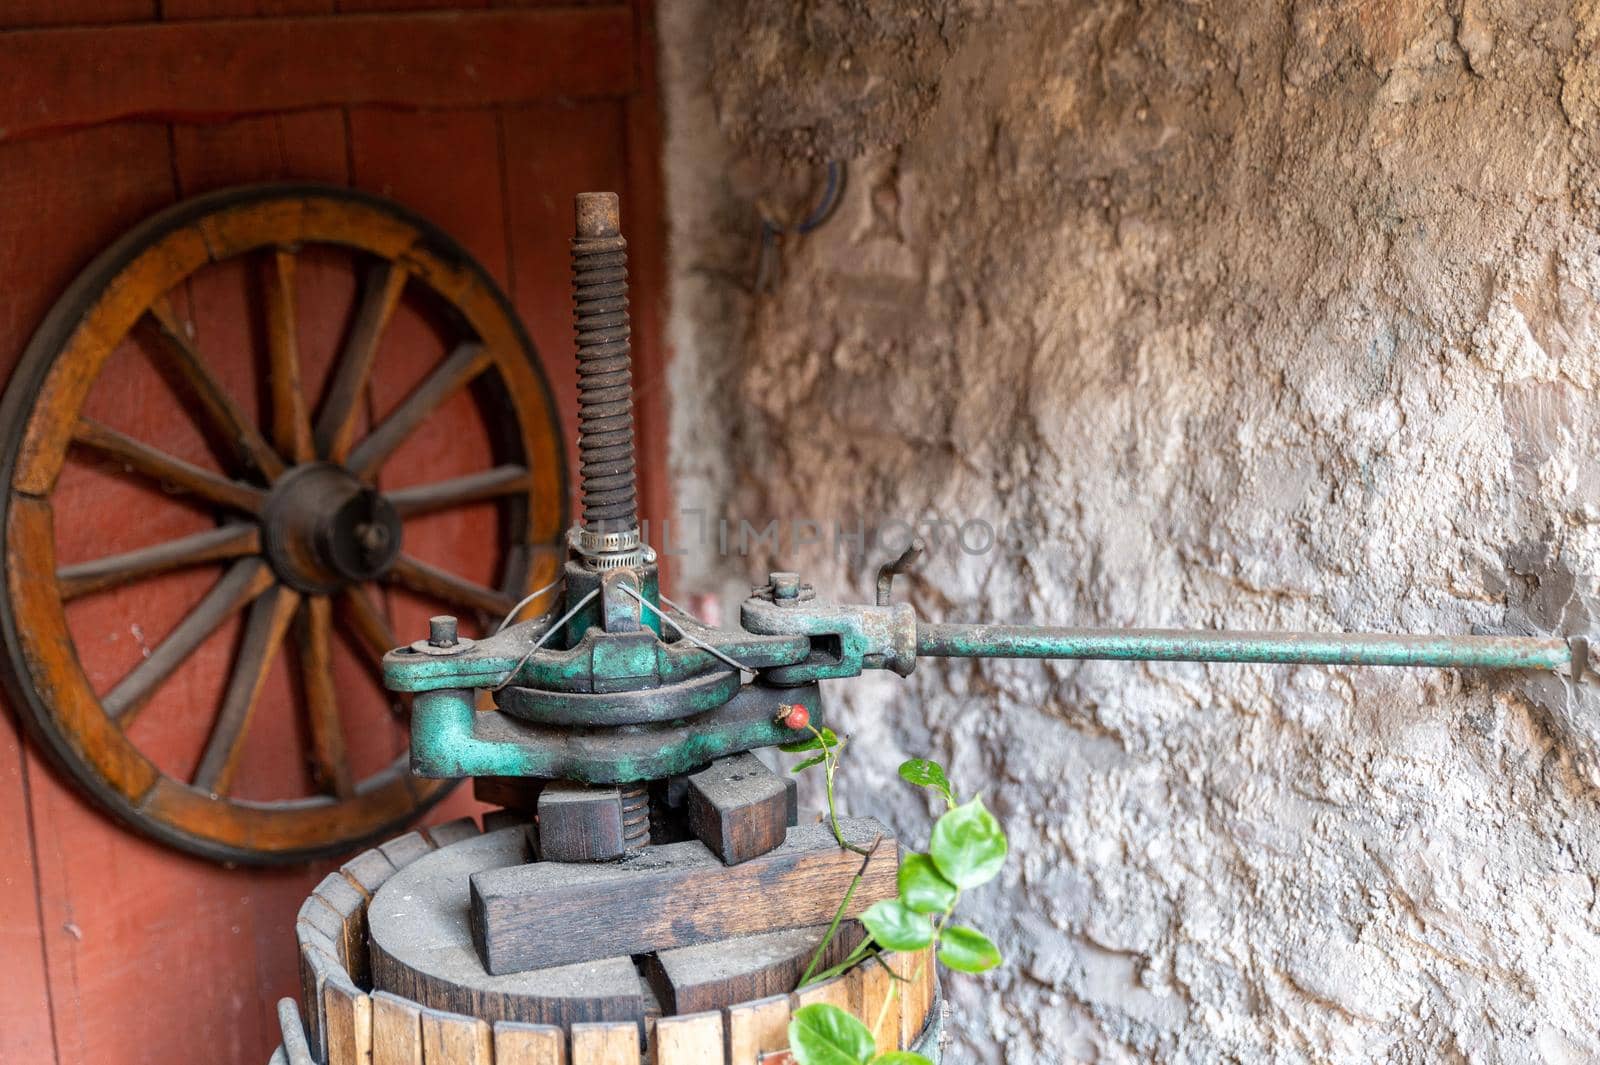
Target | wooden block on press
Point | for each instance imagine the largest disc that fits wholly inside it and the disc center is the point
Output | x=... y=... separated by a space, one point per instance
x=693 y=1039
x=675 y=895
x=528 y=1044
x=396 y=1030
x=458 y=1040
x=495 y=820
x=756 y=1028
x=605 y=1044
x=713 y=976
x=738 y=807
x=512 y=793
x=579 y=823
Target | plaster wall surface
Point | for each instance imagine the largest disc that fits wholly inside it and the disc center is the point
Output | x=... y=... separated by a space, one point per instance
x=1253 y=316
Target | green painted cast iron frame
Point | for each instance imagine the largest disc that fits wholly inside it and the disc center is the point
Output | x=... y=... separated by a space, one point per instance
x=451 y=738
x=627 y=706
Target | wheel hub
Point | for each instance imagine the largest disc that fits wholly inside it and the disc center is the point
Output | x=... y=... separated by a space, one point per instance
x=323 y=529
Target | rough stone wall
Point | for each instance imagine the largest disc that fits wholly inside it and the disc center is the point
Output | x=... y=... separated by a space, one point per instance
x=1262 y=316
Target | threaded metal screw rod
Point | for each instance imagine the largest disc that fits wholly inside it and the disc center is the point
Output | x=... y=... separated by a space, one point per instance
x=635 y=817
x=605 y=379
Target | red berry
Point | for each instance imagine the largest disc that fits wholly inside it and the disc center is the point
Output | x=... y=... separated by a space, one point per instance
x=796 y=717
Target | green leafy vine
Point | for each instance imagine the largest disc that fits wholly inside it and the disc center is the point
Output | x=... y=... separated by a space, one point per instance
x=966 y=849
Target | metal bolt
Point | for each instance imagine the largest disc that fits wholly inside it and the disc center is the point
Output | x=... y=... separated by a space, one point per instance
x=373 y=538
x=442 y=631
x=785 y=585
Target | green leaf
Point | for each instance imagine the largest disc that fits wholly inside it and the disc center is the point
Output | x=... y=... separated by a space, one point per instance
x=927 y=774
x=809 y=762
x=821 y=1034
x=968 y=845
x=922 y=887
x=967 y=950
x=897 y=926
x=900 y=1057
x=813 y=743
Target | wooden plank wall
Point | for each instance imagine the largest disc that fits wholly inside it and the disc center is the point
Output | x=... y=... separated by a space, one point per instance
x=486 y=122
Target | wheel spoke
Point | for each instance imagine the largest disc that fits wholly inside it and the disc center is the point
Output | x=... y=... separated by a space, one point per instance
x=373 y=632
x=263 y=633
x=168 y=469
x=212 y=545
x=465 y=363
x=291 y=425
x=221 y=414
x=430 y=580
x=371 y=627
x=442 y=495
x=244 y=581
x=329 y=762
x=337 y=422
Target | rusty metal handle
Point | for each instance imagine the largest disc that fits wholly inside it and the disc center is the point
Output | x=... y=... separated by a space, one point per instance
x=905 y=563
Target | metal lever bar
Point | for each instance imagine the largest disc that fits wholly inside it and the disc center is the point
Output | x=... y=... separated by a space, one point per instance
x=1294 y=648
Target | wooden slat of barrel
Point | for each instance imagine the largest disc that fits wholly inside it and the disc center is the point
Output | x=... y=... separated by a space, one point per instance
x=835 y=991
x=451 y=831
x=917 y=994
x=876 y=998
x=396 y=1030
x=347 y=1012
x=605 y=1044
x=755 y=1028
x=351 y=907
x=317 y=961
x=403 y=850
x=692 y=1039
x=451 y=1039
x=528 y=1044
x=367 y=871
x=318 y=915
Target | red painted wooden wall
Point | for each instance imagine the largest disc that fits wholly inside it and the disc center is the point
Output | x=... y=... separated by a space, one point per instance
x=484 y=121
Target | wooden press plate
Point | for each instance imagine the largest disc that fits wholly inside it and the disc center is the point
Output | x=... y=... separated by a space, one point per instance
x=421 y=948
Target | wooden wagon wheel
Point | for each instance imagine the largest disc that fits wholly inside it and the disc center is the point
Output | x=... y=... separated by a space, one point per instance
x=296 y=537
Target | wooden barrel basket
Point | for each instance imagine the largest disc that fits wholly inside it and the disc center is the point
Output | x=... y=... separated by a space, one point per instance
x=389 y=977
